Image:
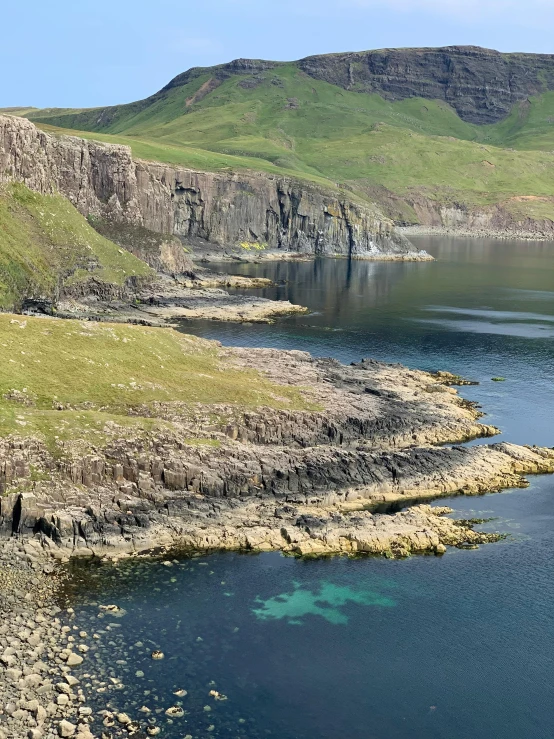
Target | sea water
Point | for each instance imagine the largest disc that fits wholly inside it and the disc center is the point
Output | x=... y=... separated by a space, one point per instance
x=451 y=647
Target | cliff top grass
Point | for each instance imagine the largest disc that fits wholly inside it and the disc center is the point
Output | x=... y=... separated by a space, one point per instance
x=284 y=122
x=97 y=373
x=46 y=246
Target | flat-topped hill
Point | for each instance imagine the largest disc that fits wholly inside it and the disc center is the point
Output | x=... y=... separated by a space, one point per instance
x=422 y=132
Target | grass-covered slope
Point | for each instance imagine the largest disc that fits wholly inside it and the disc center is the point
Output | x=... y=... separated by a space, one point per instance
x=67 y=379
x=47 y=248
x=282 y=120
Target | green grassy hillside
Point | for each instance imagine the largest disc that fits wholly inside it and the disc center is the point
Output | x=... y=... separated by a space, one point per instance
x=68 y=379
x=283 y=121
x=47 y=248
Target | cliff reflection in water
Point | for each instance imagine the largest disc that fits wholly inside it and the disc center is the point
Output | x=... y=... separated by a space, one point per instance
x=484 y=308
x=338 y=283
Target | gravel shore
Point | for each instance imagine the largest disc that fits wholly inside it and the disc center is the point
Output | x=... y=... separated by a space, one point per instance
x=467 y=233
x=39 y=648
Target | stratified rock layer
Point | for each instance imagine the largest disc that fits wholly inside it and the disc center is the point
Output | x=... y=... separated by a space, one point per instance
x=220 y=476
x=482 y=85
x=269 y=212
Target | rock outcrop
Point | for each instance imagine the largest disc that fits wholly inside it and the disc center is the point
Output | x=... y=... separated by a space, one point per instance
x=259 y=210
x=500 y=220
x=482 y=85
x=300 y=481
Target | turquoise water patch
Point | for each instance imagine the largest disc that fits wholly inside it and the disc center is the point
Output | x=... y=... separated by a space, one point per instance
x=326 y=602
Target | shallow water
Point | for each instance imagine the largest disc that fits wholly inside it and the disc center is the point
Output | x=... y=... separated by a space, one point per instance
x=452 y=647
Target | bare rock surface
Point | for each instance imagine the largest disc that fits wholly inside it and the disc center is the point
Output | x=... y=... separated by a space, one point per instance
x=201 y=296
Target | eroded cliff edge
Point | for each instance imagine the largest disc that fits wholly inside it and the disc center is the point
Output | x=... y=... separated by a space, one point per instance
x=102 y=180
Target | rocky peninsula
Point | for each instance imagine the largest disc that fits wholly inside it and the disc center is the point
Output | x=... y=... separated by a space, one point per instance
x=297 y=463
x=195 y=447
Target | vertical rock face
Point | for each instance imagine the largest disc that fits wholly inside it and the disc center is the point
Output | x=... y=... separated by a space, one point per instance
x=103 y=180
x=482 y=85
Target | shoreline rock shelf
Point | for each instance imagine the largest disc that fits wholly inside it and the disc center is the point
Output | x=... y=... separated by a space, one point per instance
x=222 y=476
x=302 y=481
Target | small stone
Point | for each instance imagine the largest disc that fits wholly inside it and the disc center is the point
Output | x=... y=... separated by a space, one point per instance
x=74 y=659
x=13 y=674
x=33 y=680
x=65 y=728
x=175 y=712
x=40 y=715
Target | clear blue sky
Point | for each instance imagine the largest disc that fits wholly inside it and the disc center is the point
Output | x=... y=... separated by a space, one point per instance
x=80 y=53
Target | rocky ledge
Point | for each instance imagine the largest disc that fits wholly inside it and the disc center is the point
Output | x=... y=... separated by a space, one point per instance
x=302 y=481
x=167 y=299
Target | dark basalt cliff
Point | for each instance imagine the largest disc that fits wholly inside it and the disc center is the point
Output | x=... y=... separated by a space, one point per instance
x=265 y=211
x=482 y=85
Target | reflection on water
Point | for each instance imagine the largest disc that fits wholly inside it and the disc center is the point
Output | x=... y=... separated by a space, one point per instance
x=523 y=330
x=483 y=309
x=497 y=315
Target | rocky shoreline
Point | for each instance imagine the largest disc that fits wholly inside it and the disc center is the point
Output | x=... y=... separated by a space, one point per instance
x=374 y=438
x=167 y=300
x=476 y=233
x=40 y=645
x=50 y=684
x=301 y=481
